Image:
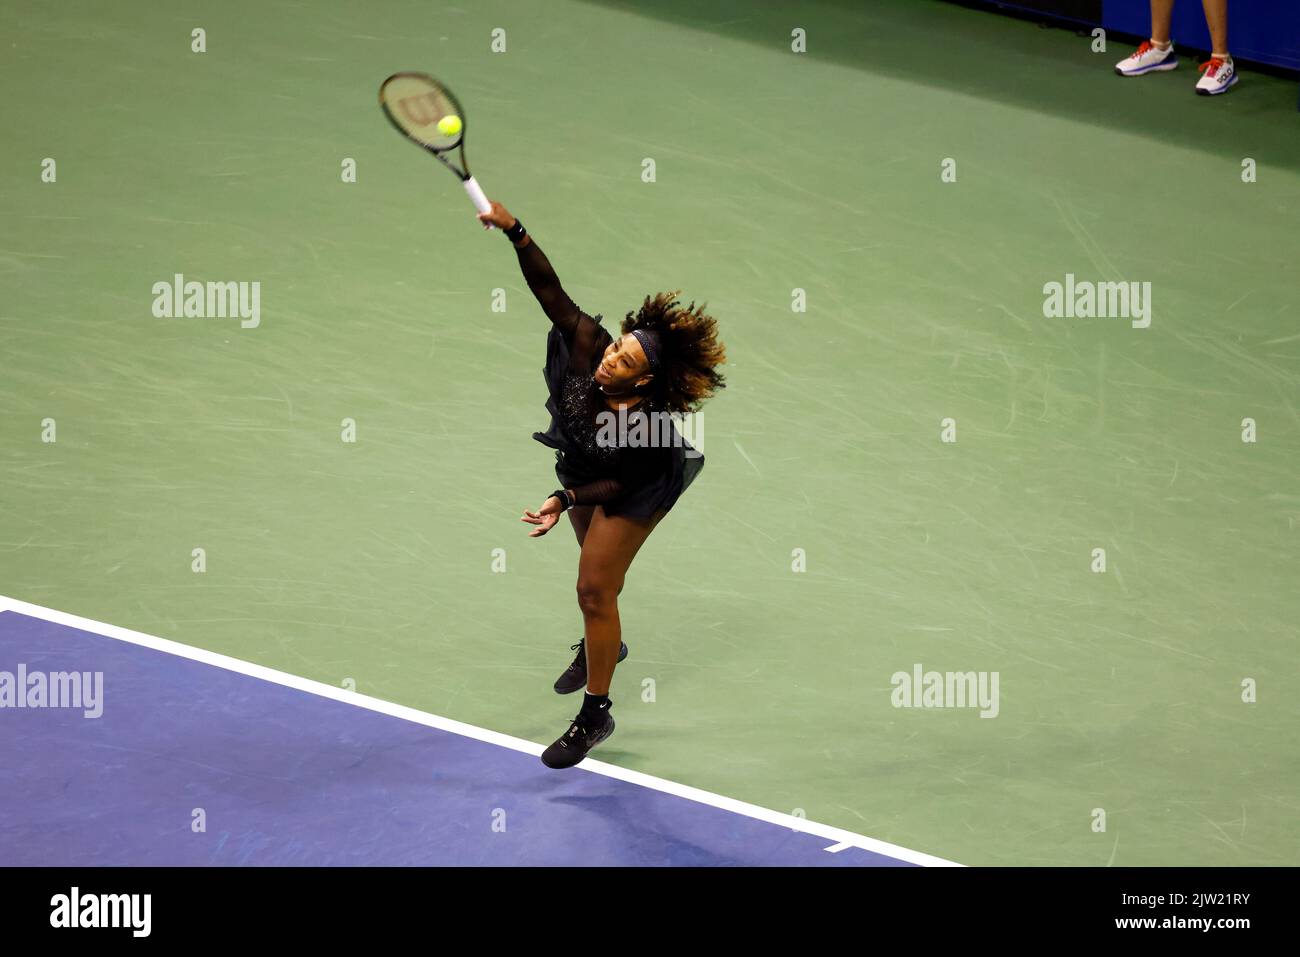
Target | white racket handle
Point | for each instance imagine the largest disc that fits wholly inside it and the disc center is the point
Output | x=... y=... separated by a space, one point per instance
x=476 y=196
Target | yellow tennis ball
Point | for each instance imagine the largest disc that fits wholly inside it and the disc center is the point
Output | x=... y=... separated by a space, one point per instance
x=449 y=125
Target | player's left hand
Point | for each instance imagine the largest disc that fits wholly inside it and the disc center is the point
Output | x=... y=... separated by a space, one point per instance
x=544 y=518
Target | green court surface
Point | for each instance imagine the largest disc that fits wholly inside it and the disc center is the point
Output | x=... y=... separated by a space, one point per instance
x=775 y=171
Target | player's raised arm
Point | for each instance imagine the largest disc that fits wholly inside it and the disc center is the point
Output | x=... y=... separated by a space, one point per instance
x=537 y=270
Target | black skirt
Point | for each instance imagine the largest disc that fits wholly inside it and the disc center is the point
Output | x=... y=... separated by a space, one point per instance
x=653 y=478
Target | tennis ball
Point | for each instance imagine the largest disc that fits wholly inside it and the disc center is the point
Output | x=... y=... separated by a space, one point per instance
x=449 y=125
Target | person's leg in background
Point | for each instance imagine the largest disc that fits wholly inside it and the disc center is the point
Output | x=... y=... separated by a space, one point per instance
x=1219 y=73
x=1162 y=17
x=1216 y=18
x=1156 y=55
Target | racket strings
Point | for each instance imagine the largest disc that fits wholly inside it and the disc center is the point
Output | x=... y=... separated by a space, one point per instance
x=416 y=104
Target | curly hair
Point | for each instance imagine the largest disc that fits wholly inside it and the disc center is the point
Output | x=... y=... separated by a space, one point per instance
x=689 y=340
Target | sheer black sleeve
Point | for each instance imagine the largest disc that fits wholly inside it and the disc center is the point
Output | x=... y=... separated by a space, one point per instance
x=638 y=466
x=594 y=493
x=582 y=333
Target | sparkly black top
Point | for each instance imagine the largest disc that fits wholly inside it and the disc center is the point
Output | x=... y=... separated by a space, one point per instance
x=634 y=479
x=580 y=406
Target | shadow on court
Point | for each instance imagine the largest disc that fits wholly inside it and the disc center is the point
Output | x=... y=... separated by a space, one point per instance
x=976 y=52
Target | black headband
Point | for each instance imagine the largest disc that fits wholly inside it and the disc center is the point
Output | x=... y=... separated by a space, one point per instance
x=650 y=343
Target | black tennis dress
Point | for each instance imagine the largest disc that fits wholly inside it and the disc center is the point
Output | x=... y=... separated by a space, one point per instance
x=625 y=472
x=627 y=479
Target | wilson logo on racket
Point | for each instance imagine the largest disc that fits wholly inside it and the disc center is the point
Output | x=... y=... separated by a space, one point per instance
x=422 y=110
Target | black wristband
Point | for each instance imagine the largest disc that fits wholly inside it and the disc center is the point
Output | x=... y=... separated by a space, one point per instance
x=515 y=232
x=563 y=496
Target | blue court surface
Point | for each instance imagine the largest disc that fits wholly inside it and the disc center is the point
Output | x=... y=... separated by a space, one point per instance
x=285 y=771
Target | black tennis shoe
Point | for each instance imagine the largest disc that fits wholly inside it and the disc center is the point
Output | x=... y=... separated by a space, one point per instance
x=575 y=676
x=585 y=732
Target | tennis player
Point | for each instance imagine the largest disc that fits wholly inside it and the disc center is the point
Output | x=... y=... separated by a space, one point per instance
x=620 y=470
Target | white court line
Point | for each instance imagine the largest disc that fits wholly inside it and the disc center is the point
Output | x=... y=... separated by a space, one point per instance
x=842 y=837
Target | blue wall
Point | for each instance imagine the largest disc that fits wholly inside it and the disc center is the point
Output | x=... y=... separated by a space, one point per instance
x=1264 y=30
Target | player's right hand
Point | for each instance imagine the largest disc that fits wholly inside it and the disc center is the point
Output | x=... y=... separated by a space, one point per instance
x=499 y=217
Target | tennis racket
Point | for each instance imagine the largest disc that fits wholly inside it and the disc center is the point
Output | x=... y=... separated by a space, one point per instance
x=415 y=103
